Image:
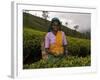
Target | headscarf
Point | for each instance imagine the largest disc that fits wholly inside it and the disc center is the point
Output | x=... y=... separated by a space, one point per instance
x=54 y=21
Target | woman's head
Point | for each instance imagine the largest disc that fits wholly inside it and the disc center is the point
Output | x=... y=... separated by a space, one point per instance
x=55 y=24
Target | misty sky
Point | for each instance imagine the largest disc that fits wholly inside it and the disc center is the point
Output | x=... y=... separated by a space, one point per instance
x=81 y=19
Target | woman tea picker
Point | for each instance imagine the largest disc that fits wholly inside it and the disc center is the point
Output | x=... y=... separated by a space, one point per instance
x=55 y=41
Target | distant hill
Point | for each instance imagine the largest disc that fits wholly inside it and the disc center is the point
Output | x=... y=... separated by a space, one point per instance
x=41 y=24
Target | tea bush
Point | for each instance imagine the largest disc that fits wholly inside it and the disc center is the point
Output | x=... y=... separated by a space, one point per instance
x=69 y=61
x=79 y=47
x=32 y=44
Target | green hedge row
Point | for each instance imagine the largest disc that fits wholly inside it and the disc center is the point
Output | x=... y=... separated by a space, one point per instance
x=32 y=44
x=79 y=47
x=69 y=61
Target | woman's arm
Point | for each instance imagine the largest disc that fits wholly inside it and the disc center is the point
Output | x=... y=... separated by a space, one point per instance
x=46 y=46
x=47 y=50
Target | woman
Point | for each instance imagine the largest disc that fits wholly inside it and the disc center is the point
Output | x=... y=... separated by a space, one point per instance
x=55 y=41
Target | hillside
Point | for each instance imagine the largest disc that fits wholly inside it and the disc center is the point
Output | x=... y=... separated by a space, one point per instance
x=40 y=24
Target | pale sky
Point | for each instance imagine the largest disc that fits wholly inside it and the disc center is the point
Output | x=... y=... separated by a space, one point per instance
x=81 y=19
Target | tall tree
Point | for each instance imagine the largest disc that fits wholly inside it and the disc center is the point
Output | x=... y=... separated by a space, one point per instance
x=66 y=23
x=45 y=14
x=76 y=27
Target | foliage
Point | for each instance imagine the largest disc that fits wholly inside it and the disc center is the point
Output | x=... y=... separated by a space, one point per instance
x=32 y=44
x=40 y=24
x=79 y=47
x=69 y=61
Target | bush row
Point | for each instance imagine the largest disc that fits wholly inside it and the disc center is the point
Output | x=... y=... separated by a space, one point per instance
x=32 y=44
x=69 y=61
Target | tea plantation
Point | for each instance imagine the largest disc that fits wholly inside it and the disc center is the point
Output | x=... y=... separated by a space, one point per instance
x=78 y=51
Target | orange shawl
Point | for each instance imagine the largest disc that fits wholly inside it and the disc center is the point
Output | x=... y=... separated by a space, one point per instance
x=57 y=47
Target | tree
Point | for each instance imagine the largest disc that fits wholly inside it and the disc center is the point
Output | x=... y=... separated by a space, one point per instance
x=66 y=23
x=75 y=31
x=45 y=15
x=76 y=27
